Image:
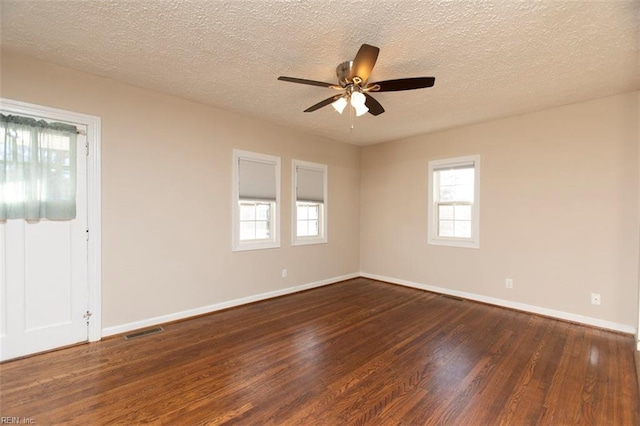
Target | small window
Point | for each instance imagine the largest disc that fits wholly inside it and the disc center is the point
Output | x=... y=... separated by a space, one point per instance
x=454 y=212
x=310 y=203
x=37 y=169
x=256 y=201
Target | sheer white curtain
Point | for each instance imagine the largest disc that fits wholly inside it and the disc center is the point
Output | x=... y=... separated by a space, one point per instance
x=37 y=169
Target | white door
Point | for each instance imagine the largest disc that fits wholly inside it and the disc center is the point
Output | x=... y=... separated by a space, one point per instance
x=43 y=278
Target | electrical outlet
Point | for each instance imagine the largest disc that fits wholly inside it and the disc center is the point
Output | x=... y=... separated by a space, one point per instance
x=595 y=298
x=284 y=273
x=508 y=283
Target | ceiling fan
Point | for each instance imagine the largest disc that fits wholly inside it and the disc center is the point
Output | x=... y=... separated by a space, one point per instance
x=352 y=82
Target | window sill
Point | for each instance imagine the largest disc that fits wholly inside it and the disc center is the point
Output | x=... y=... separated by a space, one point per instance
x=308 y=241
x=454 y=242
x=248 y=246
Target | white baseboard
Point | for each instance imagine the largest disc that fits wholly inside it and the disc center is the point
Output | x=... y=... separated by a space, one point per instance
x=509 y=304
x=123 y=328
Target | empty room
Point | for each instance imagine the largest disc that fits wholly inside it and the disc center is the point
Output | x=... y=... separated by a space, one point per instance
x=319 y=212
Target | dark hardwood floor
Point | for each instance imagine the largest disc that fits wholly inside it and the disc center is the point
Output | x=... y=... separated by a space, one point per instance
x=356 y=352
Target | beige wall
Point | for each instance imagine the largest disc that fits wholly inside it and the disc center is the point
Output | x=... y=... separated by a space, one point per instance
x=559 y=202
x=166 y=195
x=559 y=209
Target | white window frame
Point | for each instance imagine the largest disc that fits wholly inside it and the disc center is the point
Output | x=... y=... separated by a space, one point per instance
x=432 y=232
x=274 y=240
x=322 y=211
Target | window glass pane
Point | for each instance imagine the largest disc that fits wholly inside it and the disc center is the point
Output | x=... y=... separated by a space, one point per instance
x=447 y=177
x=247 y=211
x=445 y=228
x=262 y=230
x=303 y=229
x=262 y=211
x=247 y=230
x=445 y=212
x=456 y=185
x=313 y=212
x=313 y=228
x=464 y=177
x=302 y=212
x=447 y=193
x=462 y=213
x=462 y=229
x=464 y=193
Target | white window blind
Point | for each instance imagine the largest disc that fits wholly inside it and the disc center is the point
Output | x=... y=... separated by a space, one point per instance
x=256 y=180
x=453 y=167
x=310 y=185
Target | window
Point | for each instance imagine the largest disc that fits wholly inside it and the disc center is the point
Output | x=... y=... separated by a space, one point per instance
x=310 y=203
x=37 y=169
x=454 y=212
x=256 y=201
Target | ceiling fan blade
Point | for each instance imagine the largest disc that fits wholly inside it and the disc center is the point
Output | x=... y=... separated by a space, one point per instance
x=374 y=106
x=402 y=84
x=323 y=103
x=364 y=61
x=305 y=81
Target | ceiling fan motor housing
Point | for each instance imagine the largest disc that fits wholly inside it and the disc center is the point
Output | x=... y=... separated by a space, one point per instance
x=343 y=71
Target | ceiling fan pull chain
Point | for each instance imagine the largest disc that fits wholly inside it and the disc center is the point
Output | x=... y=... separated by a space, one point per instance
x=351 y=119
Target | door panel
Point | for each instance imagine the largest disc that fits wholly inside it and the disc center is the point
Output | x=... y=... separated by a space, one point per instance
x=47 y=260
x=43 y=280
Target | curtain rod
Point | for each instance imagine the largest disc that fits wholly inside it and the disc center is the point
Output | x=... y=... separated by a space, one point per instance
x=35 y=122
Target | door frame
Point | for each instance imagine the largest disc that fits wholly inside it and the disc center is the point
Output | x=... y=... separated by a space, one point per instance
x=94 y=198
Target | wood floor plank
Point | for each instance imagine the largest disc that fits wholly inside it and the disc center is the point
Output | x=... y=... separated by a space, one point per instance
x=358 y=352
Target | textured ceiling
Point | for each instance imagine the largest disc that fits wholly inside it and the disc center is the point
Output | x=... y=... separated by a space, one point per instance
x=491 y=59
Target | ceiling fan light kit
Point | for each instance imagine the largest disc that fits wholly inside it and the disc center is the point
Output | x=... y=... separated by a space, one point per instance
x=340 y=104
x=358 y=103
x=352 y=81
